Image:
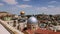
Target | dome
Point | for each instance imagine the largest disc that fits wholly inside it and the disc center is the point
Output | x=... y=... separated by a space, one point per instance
x=32 y=20
x=22 y=12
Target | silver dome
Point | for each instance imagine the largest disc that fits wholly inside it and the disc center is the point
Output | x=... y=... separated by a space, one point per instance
x=32 y=20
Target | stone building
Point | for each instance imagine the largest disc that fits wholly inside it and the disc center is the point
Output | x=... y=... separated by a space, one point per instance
x=22 y=21
x=7 y=17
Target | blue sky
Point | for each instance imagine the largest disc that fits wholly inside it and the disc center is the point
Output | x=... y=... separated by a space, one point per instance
x=31 y=6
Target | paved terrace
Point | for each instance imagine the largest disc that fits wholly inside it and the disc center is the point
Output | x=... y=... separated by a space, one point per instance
x=7 y=29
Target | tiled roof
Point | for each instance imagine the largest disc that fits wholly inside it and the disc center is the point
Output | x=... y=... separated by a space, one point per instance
x=40 y=31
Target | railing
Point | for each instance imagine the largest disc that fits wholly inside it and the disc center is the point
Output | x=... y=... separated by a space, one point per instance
x=10 y=28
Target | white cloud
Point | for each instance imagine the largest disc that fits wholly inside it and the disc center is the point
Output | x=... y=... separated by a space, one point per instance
x=1 y=4
x=10 y=1
x=52 y=2
x=24 y=6
x=26 y=0
x=51 y=6
x=42 y=9
x=49 y=10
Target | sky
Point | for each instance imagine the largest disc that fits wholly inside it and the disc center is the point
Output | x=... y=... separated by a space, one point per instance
x=30 y=6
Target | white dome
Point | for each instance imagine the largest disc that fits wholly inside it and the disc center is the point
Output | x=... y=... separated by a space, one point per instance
x=32 y=20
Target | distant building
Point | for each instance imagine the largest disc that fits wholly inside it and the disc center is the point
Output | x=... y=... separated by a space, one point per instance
x=6 y=15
